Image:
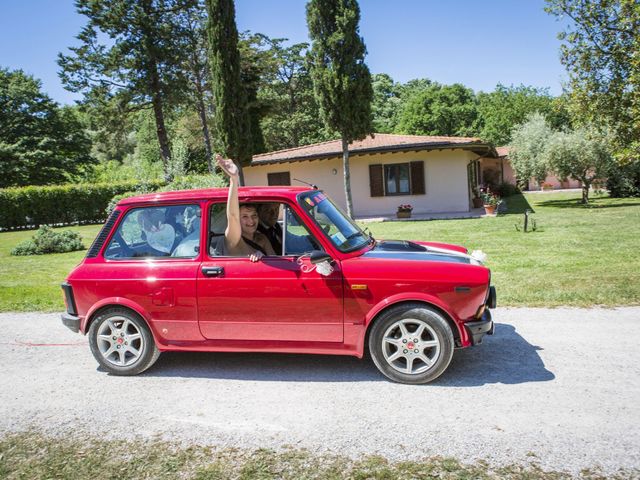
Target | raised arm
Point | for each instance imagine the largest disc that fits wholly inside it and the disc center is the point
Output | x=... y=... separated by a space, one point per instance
x=233 y=233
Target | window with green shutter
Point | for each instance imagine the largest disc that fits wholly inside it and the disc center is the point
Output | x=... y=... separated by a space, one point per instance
x=397 y=179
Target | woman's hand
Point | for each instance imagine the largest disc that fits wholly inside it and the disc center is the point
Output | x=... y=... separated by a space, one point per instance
x=256 y=256
x=227 y=166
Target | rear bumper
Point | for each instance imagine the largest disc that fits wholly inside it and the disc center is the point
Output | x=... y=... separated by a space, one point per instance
x=71 y=322
x=477 y=330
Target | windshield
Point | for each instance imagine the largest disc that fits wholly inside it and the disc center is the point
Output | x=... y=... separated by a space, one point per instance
x=340 y=229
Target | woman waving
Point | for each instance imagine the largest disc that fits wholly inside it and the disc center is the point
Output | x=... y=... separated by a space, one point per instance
x=241 y=236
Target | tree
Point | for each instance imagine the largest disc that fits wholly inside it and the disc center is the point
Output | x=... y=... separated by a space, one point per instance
x=527 y=149
x=413 y=87
x=386 y=103
x=40 y=143
x=139 y=66
x=581 y=154
x=292 y=116
x=439 y=110
x=196 y=71
x=232 y=124
x=341 y=79
x=601 y=52
x=500 y=110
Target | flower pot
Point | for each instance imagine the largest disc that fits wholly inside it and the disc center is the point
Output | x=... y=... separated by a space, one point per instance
x=490 y=209
x=477 y=202
x=403 y=214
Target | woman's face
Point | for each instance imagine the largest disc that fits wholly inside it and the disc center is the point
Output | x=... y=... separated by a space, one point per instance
x=248 y=220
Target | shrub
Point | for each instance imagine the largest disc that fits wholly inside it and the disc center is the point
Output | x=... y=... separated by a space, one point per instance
x=624 y=181
x=190 y=182
x=59 y=205
x=506 y=189
x=46 y=241
x=183 y=182
x=114 y=201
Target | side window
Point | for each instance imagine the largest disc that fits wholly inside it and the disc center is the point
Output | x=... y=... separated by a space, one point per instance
x=297 y=239
x=278 y=226
x=171 y=231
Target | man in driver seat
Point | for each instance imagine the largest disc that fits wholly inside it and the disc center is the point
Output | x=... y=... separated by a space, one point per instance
x=269 y=226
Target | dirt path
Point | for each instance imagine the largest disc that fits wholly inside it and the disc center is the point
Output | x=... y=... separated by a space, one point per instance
x=560 y=387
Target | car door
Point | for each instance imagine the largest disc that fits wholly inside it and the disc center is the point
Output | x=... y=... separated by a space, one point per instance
x=279 y=298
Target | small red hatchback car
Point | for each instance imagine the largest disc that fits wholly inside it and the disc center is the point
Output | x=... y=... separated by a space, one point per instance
x=155 y=279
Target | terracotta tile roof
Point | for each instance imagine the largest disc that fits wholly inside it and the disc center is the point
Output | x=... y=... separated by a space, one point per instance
x=379 y=143
x=502 y=151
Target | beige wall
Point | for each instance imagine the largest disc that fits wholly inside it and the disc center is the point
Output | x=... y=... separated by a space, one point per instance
x=555 y=183
x=445 y=181
x=500 y=168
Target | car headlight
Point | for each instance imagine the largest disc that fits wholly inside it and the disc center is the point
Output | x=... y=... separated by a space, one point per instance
x=479 y=256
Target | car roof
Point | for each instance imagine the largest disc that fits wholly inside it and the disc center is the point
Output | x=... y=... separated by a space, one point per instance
x=244 y=193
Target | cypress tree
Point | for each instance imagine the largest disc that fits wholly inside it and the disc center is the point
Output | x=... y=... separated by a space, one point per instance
x=341 y=79
x=231 y=123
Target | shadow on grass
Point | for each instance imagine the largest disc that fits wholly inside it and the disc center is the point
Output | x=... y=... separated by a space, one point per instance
x=506 y=357
x=573 y=203
x=517 y=204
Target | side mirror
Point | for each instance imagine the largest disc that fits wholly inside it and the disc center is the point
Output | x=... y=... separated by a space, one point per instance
x=318 y=256
x=320 y=262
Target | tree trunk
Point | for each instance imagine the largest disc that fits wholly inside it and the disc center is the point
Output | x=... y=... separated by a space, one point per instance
x=347 y=176
x=585 y=192
x=163 y=139
x=156 y=95
x=240 y=172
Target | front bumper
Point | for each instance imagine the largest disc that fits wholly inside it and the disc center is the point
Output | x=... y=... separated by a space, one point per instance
x=71 y=322
x=477 y=330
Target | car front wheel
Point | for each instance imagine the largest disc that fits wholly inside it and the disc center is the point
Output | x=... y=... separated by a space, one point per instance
x=121 y=342
x=411 y=344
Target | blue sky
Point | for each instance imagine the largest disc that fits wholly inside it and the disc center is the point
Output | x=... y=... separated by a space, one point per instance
x=476 y=43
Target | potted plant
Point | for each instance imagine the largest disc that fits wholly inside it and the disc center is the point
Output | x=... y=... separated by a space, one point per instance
x=404 y=211
x=490 y=201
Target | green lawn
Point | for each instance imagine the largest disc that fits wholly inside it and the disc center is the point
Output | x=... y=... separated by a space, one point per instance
x=33 y=283
x=578 y=256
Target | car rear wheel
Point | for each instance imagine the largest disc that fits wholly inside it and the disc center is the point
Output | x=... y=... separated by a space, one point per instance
x=411 y=344
x=121 y=342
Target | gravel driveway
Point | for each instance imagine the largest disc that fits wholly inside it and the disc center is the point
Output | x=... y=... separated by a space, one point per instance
x=560 y=387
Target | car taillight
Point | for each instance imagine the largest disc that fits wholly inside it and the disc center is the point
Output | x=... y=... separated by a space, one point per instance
x=69 y=300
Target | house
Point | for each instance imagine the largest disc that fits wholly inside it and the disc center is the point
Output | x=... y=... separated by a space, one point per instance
x=433 y=174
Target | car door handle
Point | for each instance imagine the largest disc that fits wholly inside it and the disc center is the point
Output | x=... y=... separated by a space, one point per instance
x=212 y=271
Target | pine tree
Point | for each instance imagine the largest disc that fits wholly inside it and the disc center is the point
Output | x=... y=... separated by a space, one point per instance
x=139 y=67
x=341 y=79
x=231 y=122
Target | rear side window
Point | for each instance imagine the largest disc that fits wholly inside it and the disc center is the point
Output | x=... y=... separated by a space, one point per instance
x=150 y=232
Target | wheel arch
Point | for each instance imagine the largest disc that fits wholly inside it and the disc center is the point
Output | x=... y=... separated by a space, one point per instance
x=118 y=302
x=375 y=315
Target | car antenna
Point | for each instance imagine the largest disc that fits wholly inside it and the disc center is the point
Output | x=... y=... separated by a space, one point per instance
x=315 y=187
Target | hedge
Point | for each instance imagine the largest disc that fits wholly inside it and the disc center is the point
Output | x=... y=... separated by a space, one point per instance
x=30 y=207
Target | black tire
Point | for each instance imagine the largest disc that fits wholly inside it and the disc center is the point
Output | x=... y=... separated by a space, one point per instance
x=397 y=355
x=121 y=342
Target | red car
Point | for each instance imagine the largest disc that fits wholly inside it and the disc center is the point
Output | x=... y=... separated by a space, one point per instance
x=154 y=280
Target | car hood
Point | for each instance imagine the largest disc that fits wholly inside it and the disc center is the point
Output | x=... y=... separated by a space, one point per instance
x=405 y=250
